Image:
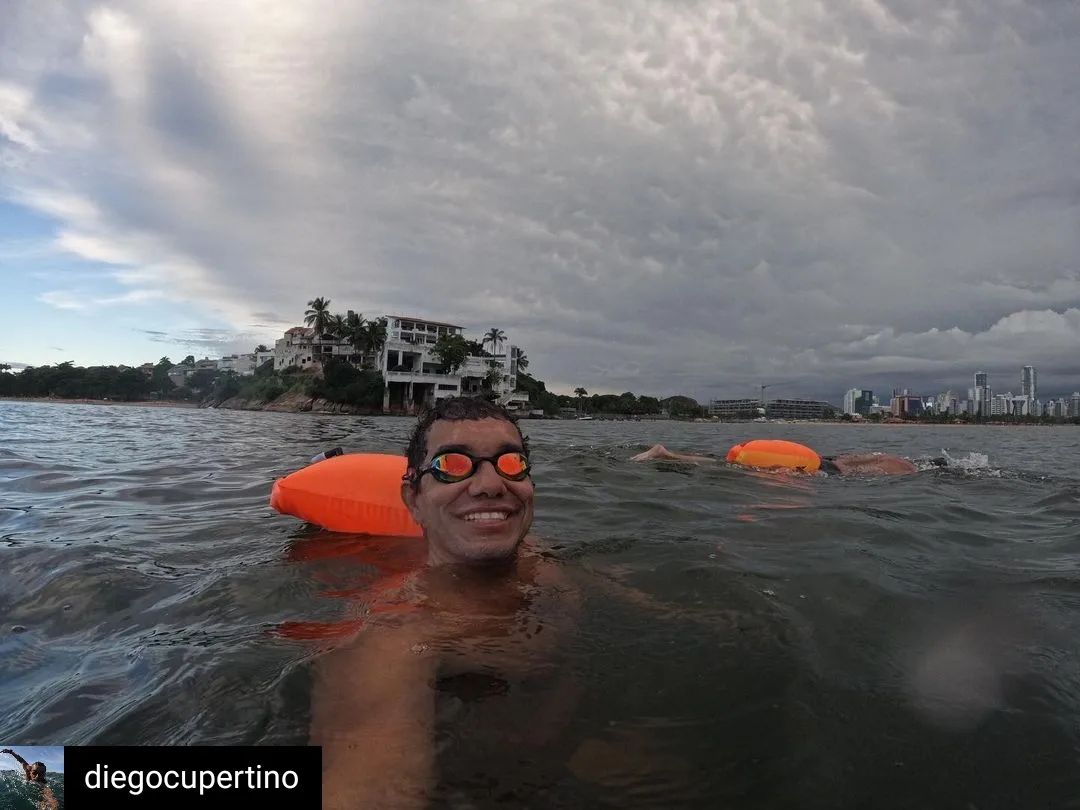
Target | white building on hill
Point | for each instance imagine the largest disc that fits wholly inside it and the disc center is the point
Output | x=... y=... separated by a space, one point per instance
x=301 y=348
x=413 y=375
x=242 y=364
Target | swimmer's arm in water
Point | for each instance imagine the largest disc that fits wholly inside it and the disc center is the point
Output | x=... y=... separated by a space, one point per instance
x=23 y=762
x=660 y=453
x=373 y=712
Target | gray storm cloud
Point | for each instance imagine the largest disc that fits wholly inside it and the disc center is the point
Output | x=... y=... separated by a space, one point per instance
x=655 y=196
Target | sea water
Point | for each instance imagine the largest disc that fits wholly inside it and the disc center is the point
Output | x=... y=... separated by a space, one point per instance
x=744 y=639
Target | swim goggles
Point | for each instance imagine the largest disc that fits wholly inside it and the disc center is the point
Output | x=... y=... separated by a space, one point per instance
x=450 y=468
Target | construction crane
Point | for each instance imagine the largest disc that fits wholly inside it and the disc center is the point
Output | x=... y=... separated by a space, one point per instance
x=770 y=385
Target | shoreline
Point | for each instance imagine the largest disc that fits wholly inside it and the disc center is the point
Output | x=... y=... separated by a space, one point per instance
x=156 y=403
x=147 y=403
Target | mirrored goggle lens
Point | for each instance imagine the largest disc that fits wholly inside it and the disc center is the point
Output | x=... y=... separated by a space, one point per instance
x=452 y=465
x=513 y=465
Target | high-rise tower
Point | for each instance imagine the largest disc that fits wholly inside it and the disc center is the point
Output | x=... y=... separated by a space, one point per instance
x=982 y=393
x=1028 y=381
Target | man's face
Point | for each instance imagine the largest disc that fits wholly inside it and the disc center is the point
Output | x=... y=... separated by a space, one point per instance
x=450 y=514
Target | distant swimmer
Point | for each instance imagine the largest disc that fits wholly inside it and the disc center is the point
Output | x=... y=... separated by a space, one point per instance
x=852 y=464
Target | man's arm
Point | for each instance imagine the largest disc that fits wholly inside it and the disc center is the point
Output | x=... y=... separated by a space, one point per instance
x=373 y=712
x=23 y=762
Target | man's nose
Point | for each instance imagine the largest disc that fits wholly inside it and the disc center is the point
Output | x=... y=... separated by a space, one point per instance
x=486 y=481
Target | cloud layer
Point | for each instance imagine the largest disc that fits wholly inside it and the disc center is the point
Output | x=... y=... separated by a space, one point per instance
x=648 y=195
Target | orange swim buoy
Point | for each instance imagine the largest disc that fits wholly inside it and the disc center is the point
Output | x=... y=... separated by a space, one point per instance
x=358 y=493
x=775 y=454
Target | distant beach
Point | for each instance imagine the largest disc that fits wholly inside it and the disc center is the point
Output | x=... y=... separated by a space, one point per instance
x=153 y=403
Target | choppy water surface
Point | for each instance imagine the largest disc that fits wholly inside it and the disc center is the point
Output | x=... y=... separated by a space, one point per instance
x=18 y=794
x=743 y=639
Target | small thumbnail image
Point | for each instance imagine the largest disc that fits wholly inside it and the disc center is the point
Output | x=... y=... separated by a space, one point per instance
x=31 y=777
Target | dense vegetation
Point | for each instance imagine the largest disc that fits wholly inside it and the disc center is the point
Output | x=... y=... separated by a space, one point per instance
x=96 y=382
x=340 y=383
x=625 y=404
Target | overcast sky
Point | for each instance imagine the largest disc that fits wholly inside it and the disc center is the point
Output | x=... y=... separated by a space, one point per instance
x=662 y=197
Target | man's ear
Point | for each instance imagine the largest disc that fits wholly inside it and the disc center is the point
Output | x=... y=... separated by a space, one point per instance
x=408 y=497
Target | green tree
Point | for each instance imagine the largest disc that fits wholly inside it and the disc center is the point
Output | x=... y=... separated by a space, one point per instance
x=375 y=335
x=262 y=347
x=317 y=316
x=4 y=367
x=188 y=361
x=492 y=380
x=342 y=382
x=202 y=380
x=682 y=406
x=131 y=385
x=495 y=337
x=355 y=331
x=522 y=360
x=337 y=326
x=451 y=350
x=539 y=396
x=226 y=386
x=648 y=404
x=580 y=393
x=159 y=378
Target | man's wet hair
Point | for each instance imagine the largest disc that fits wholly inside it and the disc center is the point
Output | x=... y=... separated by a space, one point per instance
x=454 y=409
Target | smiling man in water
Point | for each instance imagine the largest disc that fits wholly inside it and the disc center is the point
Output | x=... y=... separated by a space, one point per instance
x=468 y=483
x=458 y=633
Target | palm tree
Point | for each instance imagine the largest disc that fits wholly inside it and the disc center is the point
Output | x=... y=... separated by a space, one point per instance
x=522 y=360
x=337 y=326
x=580 y=393
x=355 y=332
x=375 y=335
x=354 y=320
x=495 y=337
x=318 y=316
x=4 y=367
x=262 y=347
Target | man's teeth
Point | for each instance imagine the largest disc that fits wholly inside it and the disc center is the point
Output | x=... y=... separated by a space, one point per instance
x=487 y=516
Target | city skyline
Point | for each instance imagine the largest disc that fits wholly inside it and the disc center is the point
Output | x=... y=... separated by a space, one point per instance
x=981 y=398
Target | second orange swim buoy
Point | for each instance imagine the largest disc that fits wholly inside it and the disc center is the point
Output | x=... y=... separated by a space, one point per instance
x=775 y=454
